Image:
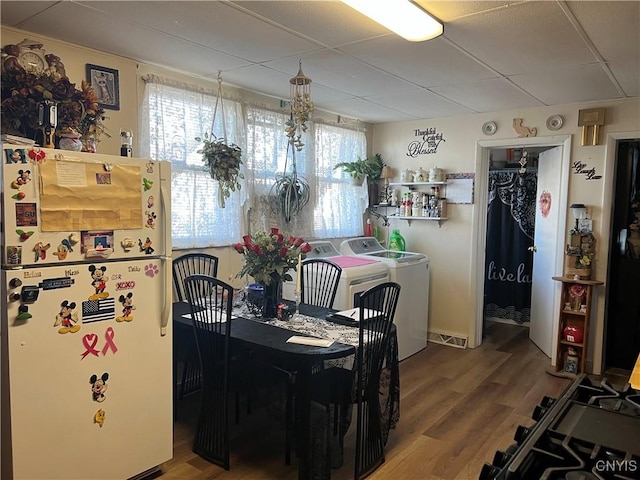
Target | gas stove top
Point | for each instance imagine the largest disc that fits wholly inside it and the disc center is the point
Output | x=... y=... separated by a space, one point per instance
x=592 y=431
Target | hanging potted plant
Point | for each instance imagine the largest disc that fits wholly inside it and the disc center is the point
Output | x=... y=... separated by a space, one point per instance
x=223 y=162
x=222 y=159
x=290 y=192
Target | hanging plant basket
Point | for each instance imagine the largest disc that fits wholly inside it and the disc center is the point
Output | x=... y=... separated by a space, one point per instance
x=290 y=192
x=223 y=162
x=222 y=159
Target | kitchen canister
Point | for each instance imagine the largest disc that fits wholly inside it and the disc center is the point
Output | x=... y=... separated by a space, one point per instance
x=435 y=174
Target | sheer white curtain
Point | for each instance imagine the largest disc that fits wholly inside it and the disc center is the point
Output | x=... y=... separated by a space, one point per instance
x=173 y=115
x=338 y=205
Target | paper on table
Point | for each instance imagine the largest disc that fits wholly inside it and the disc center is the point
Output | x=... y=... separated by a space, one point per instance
x=316 y=342
x=354 y=313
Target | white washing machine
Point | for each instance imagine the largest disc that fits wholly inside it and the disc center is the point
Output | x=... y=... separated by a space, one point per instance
x=411 y=271
x=358 y=274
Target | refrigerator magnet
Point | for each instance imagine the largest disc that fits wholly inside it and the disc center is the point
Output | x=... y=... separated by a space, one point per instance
x=127 y=308
x=24 y=235
x=74 y=238
x=26 y=215
x=147 y=184
x=127 y=243
x=99 y=417
x=14 y=254
x=24 y=177
x=40 y=250
x=37 y=155
x=149 y=167
x=151 y=270
x=63 y=249
x=151 y=219
x=99 y=387
x=67 y=318
x=15 y=156
x=146 y=246
x=19 y=196
x=99 y=282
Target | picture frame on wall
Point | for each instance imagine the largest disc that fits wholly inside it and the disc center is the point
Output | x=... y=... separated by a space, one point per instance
x=106 y=85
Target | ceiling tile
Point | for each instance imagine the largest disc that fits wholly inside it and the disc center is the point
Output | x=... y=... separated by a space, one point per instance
x=487 y=95
x=572 y=84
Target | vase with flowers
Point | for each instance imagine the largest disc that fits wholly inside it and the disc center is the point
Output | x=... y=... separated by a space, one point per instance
x=268 y=257
x=23 y=89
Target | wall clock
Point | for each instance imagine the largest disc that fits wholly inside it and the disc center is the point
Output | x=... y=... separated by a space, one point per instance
x=31 y=56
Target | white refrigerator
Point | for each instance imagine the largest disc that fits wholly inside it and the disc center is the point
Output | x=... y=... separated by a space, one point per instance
x=86 y=341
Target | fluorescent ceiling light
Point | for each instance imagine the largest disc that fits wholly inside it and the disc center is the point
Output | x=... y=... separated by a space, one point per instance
x=400 y=16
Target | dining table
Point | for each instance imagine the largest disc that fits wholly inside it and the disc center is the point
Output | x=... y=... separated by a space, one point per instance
x=269 y=339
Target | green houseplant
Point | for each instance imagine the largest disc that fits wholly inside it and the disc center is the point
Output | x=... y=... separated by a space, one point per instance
x=370 y=167
x=223 y=161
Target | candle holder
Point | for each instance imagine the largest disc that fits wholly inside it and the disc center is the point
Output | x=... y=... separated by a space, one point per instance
x=296 y=316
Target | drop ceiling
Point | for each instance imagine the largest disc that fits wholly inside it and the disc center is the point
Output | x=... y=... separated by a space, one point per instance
x=494 y=55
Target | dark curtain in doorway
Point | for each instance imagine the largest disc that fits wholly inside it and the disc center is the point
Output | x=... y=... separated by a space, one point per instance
x=510 y=228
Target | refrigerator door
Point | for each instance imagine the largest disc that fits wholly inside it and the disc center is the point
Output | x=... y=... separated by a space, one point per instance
x=86 y=372
x=64 y=207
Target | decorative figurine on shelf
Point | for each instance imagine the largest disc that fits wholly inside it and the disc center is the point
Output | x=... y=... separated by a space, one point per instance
x=394 y=198
x=571 y=361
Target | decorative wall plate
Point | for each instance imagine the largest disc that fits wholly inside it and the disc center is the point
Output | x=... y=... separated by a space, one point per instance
x=489 y=128
x=554 y=122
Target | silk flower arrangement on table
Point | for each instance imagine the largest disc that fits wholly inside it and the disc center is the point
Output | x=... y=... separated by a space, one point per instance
x=268 y=257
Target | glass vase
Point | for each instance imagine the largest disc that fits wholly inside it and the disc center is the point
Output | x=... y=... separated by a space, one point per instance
x=272 y=297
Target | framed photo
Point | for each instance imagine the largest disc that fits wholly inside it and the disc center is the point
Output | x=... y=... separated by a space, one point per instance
x=106 y=85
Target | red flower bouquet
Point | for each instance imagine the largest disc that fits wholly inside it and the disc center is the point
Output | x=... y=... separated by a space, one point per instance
x=270 y=254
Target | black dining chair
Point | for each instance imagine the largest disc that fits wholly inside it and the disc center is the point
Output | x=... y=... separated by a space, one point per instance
x=211 y=306
x=319 y=282
x=337 y=388
x=319 y=279
x=223 y=371
x=184 y=346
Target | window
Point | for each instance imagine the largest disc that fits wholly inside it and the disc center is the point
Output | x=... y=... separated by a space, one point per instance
x=339 y=204
x=173 y=115
x=336 y=206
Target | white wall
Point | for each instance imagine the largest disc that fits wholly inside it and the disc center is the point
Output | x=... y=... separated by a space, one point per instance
x=453 y=287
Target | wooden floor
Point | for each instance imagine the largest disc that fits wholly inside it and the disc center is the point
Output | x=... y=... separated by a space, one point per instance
x=457 y=408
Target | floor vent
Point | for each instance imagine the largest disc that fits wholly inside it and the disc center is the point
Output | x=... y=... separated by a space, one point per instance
x=446 y=339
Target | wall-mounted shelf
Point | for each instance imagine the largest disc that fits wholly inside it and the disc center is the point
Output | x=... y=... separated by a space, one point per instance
x=413 y=187
x=416 y=185
x=373 y=209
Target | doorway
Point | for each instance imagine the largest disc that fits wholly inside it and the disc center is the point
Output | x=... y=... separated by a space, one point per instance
x=548 y=302
x=513 y=178
x=622 y=311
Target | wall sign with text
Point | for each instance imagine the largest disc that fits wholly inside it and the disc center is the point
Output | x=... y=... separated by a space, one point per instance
x=427 y=142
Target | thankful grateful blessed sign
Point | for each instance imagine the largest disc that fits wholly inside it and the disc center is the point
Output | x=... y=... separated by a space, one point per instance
x=427 y=142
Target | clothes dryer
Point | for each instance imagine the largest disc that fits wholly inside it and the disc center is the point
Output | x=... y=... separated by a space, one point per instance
x=411 y=271
x=358 y=274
